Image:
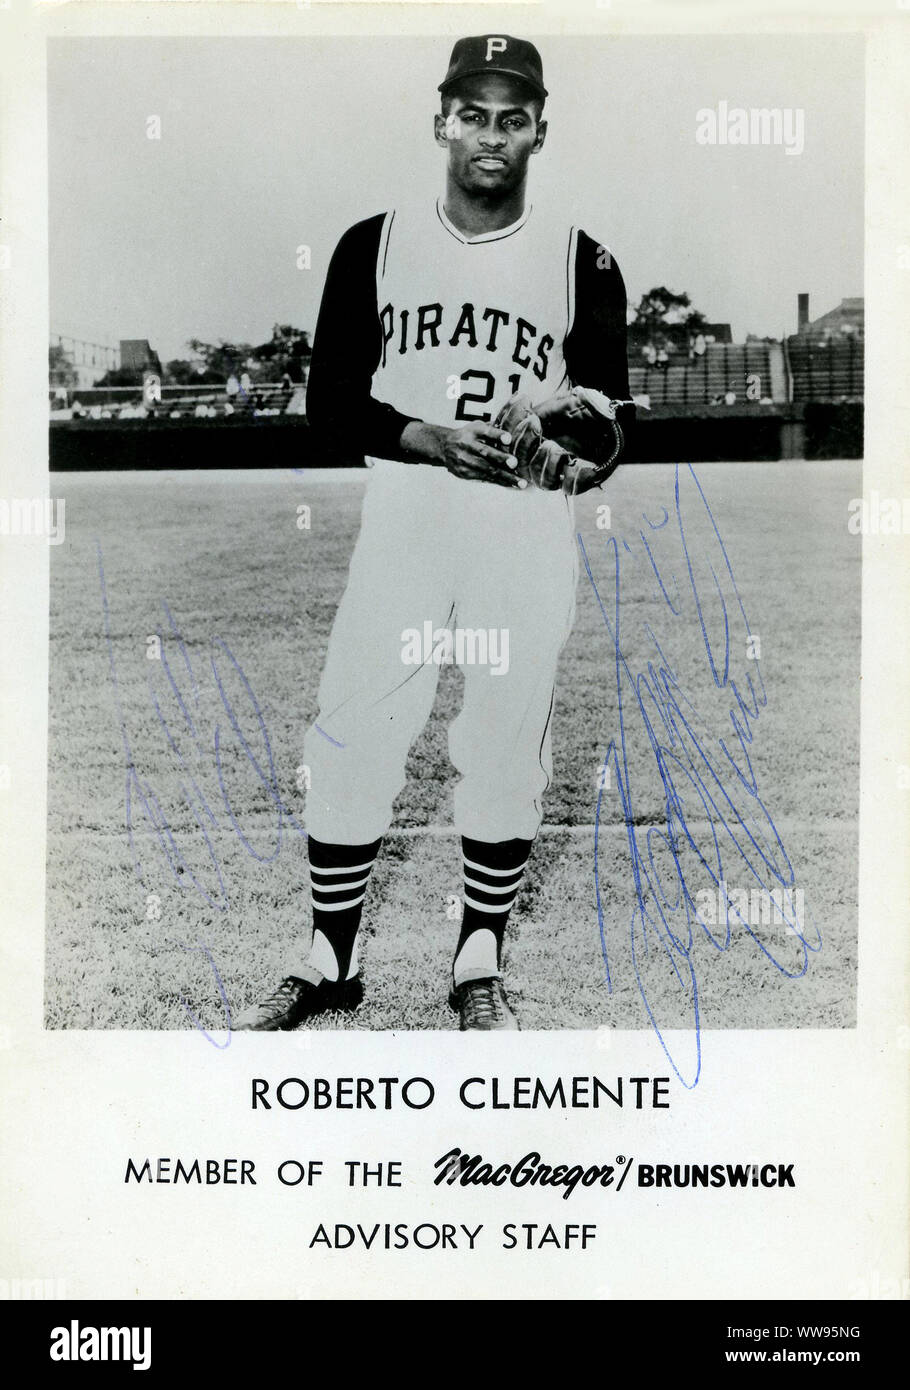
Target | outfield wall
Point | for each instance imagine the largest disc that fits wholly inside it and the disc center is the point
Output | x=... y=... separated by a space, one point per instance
x=666 y=434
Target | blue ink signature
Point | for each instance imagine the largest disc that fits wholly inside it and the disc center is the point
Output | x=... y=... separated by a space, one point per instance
x=141 y=799
x=703 y=775
x=224 y=999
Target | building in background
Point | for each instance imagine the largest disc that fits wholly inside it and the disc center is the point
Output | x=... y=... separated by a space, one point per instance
x=136 y=355
x=76 y=363
x=848 y=320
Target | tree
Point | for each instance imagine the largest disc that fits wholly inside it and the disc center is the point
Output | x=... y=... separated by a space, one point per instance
x=180 y=371
x=121 y=376
x=288 y=350
x=221 y=359
x=664 y=319
x=210 y=364
x=661 y=307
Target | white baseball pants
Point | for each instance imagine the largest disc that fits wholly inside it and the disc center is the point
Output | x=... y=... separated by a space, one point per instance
x=438 y=550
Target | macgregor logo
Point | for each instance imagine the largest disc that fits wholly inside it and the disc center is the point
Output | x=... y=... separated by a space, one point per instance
x=77 y=1343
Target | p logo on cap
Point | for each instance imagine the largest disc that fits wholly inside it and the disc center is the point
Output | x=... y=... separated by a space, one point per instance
x=485 y=53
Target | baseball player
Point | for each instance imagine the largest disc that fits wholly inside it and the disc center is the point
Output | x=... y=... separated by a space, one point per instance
x=474 y=350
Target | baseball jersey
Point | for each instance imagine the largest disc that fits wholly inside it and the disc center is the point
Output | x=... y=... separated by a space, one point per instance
x=420 y=322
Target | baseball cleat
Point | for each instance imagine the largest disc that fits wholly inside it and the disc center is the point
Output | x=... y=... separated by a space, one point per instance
x=482 y=1004
x=296 y=1000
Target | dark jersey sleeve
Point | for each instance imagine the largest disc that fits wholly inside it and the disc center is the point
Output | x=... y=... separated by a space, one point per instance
x=595 y=348
x=347 y=346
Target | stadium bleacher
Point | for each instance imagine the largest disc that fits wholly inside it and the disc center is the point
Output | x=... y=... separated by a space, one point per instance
x=721 y=370
x=826 y=369
x=813 y=370
x=801 y=397
x=212 y=402
x=810 y=370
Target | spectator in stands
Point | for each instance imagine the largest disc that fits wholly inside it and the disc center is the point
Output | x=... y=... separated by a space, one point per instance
x=663 y=361
x=232 y=387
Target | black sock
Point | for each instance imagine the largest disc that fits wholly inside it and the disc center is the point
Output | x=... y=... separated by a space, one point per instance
x=338 y=879
x=492 y=878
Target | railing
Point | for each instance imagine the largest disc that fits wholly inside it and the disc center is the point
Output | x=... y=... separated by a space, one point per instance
x=109 y=402
x=814 y=371
x=710 y=378
x=826 y=370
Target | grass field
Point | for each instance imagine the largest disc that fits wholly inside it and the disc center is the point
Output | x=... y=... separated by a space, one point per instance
x=242 y=598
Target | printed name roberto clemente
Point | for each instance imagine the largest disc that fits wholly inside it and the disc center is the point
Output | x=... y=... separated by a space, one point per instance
x=475 y=1092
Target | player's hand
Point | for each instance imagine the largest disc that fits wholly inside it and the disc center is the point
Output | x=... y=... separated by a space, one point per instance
x=478 y=451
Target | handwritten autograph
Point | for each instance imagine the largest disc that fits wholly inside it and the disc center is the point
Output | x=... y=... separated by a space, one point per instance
x=706 y=777
x=183 y=736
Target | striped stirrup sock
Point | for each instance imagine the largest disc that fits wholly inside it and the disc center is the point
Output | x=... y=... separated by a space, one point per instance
x=338 y=879
x=492 y=878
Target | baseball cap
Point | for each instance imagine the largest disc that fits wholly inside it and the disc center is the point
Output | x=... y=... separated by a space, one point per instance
x=495 y=53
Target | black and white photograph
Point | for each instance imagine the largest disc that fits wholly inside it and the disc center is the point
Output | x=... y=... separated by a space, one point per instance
x=548 y=716
x=453 y=531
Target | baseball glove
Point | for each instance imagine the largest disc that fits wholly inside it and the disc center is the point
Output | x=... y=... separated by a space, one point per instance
x=571 y=441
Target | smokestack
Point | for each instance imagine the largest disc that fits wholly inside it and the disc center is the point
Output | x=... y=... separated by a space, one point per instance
x=802 y=313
